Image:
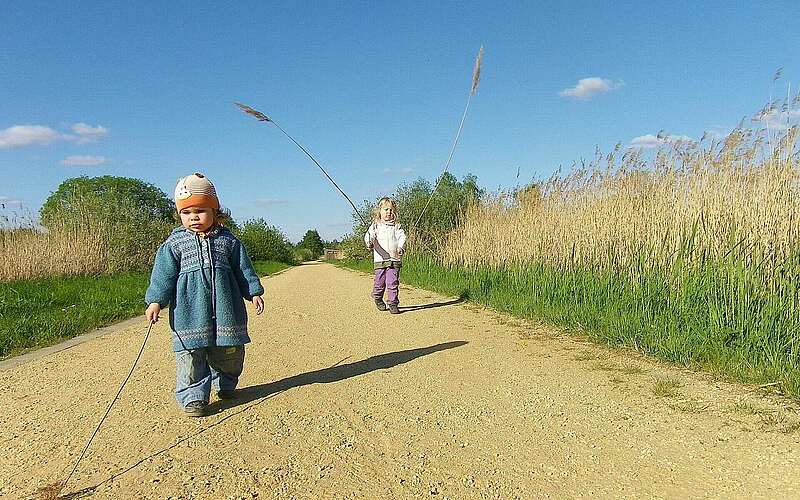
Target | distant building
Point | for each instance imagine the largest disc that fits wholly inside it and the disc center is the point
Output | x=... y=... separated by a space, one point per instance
x=332 y=254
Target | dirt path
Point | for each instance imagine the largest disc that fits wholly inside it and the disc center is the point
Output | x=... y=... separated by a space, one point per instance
x=341 y=401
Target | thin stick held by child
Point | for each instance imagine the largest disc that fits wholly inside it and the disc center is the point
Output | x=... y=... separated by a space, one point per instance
x=203 y=274
x=387 y=241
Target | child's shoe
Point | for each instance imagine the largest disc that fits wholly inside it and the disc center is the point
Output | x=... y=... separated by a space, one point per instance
x=380 y=304
x=394 y=309
x=196 y=409
x=226 y=394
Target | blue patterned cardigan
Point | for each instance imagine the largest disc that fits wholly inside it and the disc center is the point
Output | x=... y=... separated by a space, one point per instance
x=206 y=302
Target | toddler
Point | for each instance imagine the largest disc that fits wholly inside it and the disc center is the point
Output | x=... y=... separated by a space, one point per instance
x=202 y=272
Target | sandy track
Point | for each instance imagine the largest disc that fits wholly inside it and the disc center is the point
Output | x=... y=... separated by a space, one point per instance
x=339 y=400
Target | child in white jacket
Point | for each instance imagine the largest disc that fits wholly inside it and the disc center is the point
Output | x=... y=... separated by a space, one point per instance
x=387 y=240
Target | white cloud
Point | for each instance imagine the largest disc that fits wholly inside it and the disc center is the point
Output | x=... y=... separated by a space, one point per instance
x=27 y=135
x=398 y=171
x=19 y=136
x=268 y=202
x=590 y=87
x=87 y=133
x=650 y=141
x=84 y=161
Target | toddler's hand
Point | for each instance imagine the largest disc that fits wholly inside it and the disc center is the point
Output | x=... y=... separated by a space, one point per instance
x=152 y=311
x=259 y=303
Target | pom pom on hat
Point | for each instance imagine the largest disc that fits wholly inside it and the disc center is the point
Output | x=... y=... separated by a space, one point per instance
x=195 y=191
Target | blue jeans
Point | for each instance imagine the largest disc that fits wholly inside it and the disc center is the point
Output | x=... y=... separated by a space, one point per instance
x=198 y=369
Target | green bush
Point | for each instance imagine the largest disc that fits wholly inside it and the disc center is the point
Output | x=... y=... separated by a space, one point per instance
x=304 y=255
x=265 y=242
x=444 y=210
x=425 y=233
x=353 y=247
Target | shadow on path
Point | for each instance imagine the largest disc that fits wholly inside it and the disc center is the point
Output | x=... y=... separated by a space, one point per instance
x=257 y=394
x=333 y=373
x=405 y=309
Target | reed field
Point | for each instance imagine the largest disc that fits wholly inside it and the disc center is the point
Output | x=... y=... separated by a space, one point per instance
x=82 y=244
x=689 y=253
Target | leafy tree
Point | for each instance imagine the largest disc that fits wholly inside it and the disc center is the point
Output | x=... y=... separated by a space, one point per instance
x=265 y=242
x=312 y=242
x=441 y=216
x=128 y=217
x=108 y=198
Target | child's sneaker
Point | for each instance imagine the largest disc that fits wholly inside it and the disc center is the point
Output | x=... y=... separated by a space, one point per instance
x=196 y=409
x=226 y=394
x=394 y=309
x=380 y=304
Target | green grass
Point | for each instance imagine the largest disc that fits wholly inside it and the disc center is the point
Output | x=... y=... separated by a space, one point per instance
x=43 y=312
x=716 y=317
x=267 y=267
x=667 y=388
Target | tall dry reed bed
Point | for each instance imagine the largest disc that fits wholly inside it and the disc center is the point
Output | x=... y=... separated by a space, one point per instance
x=84 y=272
x=690 y=252
x=84 y=245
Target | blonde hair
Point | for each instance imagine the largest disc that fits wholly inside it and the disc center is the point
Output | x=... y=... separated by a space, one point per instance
x=376 y=212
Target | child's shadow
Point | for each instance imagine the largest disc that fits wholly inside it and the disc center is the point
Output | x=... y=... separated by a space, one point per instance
x=404 y=309
x=263 y=392
x=333 y=373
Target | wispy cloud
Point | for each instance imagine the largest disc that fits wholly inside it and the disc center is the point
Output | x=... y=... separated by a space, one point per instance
x=587 y=88
x=7 y=201
x=268 y=202
x=84 y=161
x=777 y=120
x=398 y=171
x=650 y=141
x=19 y=136
x=86 y=133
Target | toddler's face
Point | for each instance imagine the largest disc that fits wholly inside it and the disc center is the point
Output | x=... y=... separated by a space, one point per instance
x=197 y=219
x=387 y=212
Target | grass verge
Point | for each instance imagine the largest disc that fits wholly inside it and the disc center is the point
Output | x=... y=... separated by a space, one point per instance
x=37 y=313
x=698 y=319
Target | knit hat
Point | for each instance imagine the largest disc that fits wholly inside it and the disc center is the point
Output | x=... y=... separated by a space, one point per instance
x=195 y=191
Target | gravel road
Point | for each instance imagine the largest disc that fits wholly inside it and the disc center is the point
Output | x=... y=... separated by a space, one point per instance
x=446 y=400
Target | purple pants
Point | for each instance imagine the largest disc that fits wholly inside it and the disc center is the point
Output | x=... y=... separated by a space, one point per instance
x=387 y=279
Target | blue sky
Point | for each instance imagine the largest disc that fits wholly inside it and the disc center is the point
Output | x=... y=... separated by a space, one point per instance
x=374 y=90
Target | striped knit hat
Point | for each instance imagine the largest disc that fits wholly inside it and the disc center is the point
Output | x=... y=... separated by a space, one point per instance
x=195 y=191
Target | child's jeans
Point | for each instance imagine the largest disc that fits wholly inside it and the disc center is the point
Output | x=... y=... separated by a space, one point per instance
x=387 y=278
x=198 y=369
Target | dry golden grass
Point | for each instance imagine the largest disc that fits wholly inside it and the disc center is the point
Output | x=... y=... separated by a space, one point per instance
x=84 y=244
x=32 y=254
x=686 y=201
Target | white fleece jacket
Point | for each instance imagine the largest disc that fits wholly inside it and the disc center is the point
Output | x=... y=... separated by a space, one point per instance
x=388 y=241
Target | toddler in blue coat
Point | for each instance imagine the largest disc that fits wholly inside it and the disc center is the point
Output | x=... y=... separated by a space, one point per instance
x=203 y=273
